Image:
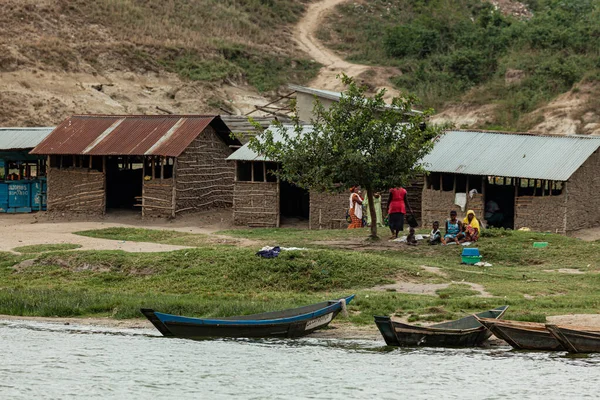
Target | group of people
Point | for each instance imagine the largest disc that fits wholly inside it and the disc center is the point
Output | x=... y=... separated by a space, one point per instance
x=397 y=207
x=456 y=231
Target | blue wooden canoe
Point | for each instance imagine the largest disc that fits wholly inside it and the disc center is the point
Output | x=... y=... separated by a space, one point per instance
x=290 y=323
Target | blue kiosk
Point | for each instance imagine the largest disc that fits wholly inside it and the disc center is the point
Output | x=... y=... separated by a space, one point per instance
x=22 y=176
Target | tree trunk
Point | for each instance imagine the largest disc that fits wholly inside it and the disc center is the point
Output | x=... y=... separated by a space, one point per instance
x=372 y=212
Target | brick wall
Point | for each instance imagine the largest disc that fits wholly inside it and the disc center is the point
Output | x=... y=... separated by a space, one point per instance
x=583 y=195
x=328 y=211
x=541 y=213
x=436 y=206
x=256 y=204
x=76 y=190
x=157 y=198
x=204 y=179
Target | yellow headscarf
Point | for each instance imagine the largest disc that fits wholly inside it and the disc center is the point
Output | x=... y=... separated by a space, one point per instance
x=474 y=222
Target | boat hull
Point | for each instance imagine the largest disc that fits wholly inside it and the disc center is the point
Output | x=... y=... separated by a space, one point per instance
x=466 y=332
x=281 y=324
x=523 y=336
x=576 y=341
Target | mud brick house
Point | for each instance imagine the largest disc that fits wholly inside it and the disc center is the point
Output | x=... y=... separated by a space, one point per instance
x=261 y=200
x=543 y=182
x=160 y=165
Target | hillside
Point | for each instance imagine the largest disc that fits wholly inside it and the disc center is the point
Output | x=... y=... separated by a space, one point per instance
x=506 y=65
x=497 y=65
x=59 y=57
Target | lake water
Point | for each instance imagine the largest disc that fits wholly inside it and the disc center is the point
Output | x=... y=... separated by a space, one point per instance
x=54 y=361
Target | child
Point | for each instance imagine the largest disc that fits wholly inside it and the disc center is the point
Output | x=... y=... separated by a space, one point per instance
x=410 y=239
x=435 y=237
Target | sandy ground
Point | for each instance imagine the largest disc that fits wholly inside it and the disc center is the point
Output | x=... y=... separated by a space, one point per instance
x=34 y=229
x=333 y=65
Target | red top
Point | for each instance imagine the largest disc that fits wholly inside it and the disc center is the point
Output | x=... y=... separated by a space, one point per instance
x=397 y=204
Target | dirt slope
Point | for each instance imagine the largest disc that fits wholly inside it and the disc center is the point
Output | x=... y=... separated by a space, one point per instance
x=333 y=64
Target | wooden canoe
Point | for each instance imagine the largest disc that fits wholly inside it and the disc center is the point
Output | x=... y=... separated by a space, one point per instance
x=576 y=340
x=522 y=335
x=464 y=332
x=290 y=323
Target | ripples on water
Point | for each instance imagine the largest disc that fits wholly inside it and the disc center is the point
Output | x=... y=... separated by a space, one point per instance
x=53 y=361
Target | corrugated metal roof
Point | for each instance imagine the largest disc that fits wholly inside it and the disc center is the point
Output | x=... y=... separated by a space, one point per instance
x=245 y=153
x=129 y=134
x=22 y=138
x=327 y=94
x=510 y=155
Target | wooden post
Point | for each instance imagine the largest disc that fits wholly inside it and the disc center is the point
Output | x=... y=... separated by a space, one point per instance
x=174 y=197
x=162 y=168
x=74 y=162
x=235 y=171
x=153 y=167
x=90 y=163
x=60 y=165
x=277 y=207
x=264 y=171
x=252 y=171
x=543 y=187
x=143 y=183
x=441 y=182
x=104 y=164
x=454 y=187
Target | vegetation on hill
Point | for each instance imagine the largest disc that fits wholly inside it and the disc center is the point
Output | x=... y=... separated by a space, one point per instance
x=208 y=40
x=446 y=49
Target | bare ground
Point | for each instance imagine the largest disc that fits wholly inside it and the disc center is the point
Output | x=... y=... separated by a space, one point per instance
x=305 y=36
x=34 y=229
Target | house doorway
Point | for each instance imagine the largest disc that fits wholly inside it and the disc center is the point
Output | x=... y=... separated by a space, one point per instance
x=124 y=177
x=499 y=202
x=294 y=204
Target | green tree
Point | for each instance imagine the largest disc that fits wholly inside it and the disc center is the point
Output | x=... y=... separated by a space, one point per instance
x=359 y=140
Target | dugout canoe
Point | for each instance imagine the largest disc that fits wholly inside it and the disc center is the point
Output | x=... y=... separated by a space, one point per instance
x=291 y=323
x=522 y=335
x=464 y=332
x=576 y=340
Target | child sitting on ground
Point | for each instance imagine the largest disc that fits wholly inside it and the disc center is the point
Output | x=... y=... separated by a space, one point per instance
x=435 y=237
x=411 y=240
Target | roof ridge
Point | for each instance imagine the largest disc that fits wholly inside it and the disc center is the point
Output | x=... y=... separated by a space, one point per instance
x=146 y=116
x=519 y=133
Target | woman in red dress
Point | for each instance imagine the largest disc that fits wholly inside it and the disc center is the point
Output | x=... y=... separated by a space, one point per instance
x=397 y=206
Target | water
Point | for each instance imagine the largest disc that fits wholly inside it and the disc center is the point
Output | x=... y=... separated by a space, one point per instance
x=53 y=361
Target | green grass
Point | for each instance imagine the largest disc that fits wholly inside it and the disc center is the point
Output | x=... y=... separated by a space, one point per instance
x=148 y=235
x=215 y=279
x=42 y=248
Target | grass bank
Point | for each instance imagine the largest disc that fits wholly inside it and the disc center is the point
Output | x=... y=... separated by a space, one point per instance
x=215 y=279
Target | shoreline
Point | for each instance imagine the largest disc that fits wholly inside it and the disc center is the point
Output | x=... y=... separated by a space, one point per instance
x=340 y=330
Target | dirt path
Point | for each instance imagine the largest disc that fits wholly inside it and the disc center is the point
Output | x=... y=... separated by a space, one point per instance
x=35 y=229
x=305 y=35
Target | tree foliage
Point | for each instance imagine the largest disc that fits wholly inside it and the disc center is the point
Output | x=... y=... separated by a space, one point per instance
x=359 y=140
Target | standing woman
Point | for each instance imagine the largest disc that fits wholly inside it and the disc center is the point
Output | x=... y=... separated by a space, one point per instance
x=397 y=206
x=355 y=209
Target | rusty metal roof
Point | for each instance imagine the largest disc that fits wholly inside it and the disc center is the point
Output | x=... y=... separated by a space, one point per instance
x=139 y=135
x=516 y=155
